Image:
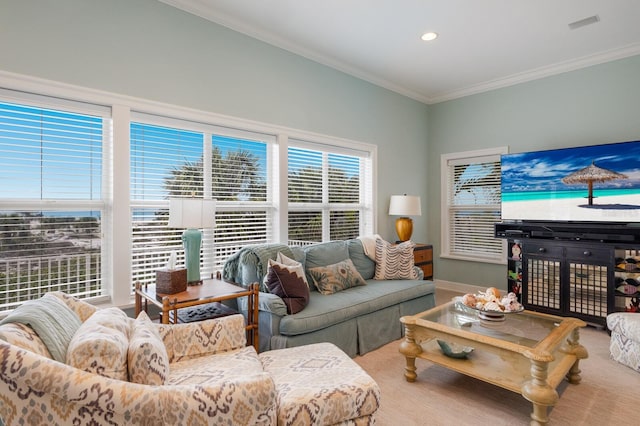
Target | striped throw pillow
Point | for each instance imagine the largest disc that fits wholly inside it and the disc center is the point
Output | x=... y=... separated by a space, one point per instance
x=395 y=262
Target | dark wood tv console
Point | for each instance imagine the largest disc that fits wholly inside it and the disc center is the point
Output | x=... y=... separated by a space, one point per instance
x=582 y=278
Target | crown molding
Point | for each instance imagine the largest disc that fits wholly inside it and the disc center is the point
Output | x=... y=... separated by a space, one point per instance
x=542 y=72
x=199 y=9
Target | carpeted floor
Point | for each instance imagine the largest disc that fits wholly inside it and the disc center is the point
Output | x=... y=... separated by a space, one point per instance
x=609 y=393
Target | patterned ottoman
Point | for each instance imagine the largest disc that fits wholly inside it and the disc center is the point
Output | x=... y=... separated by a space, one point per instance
x=319 y=384
x=625 y=338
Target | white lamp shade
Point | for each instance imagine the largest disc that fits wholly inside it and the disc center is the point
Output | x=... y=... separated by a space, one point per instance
x=192 y=213
x=405 y=205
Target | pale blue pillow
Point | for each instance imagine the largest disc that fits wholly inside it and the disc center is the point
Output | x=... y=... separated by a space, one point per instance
x=363 y=263
x=53 y=321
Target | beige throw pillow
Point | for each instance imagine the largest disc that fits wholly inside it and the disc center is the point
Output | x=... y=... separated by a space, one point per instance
x=100 y=344
x=337 y=277
x=148 y=358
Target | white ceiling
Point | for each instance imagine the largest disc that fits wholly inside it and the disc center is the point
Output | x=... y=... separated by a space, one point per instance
x=483 y=44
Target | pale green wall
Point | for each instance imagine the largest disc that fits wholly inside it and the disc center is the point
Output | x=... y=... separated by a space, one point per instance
x=146 y=49
x=599 y=104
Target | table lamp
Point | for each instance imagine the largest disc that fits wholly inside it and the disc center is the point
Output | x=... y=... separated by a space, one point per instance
x=404 y=206
x=192 y=214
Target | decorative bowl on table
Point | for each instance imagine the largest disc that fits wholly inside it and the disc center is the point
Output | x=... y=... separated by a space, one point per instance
x=491 y=306
x=453 y=350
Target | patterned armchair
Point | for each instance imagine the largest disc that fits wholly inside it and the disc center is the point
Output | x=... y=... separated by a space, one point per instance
x=209 y=376
x=624 y=344
x=36 y=389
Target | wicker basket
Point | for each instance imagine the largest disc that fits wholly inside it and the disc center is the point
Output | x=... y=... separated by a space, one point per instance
x=171 y=281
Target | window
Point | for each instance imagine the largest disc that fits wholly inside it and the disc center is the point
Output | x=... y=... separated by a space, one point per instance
x=183 y=159
x=329 y=193
x=471 y=205
x=86 y=178
x=52 y=207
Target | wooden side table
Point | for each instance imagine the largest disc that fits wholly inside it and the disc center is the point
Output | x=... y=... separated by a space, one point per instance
x=211 y=290
x=423 y=259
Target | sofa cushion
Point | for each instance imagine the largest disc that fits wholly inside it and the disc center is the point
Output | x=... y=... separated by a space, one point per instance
x=147 y=355
x=100 y=344
x=53 y=321
x=363 y=263
x=288 y=282
x=337 y=277
x=221 y=367
x=299 y=254
x=395 y=262
x=324 y=311
x=323 y=254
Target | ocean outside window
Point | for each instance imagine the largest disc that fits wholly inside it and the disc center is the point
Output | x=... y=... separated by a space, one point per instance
x=52 y=207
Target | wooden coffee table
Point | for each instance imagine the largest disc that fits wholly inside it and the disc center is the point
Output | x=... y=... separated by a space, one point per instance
x=529 y=353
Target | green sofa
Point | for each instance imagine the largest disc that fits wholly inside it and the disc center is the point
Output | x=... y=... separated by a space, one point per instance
x=357 y=320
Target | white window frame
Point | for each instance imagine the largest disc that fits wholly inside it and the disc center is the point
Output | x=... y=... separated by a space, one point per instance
x=117 y=240
x=81 y=107
x=469 y=157
x=363 y=207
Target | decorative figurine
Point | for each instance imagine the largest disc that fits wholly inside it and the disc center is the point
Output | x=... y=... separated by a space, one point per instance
x=516 y=252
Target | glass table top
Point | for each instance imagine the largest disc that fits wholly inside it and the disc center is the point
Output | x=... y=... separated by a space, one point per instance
x=524 y=328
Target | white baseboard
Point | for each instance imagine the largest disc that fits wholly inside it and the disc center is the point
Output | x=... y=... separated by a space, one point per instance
x=459 y=287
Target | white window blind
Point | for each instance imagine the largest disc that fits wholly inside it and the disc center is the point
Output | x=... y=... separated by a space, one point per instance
x=52 y=208
x=241 y=164
x=472 y=203
x=201 y=161
x=329 y=193
x=165 y=162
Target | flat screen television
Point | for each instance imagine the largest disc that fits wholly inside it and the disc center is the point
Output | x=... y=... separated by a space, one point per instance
x=598 y=183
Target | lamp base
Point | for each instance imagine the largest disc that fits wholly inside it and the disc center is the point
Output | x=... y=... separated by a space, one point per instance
x=191 y=239
x=404 y=228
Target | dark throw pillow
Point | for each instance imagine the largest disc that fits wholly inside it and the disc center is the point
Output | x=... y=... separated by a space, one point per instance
x=288 y=285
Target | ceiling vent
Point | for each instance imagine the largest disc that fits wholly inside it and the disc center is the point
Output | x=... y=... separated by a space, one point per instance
x=584 y=22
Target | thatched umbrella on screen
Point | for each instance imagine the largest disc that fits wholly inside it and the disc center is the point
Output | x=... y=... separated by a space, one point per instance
x=592 y=174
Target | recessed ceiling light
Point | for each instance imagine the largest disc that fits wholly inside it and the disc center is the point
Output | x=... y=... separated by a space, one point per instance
x=429 y=36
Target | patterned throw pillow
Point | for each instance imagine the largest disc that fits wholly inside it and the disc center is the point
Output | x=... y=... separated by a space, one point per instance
x=289 y=284
x=292 y=265
x=395 y=262
x=100 y=344
x=148 y=358
x=337 y=277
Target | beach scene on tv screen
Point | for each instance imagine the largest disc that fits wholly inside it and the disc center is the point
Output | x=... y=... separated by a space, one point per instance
x=590 y=183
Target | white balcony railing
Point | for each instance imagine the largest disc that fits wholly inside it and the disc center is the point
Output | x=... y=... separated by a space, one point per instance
x=27 y=278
